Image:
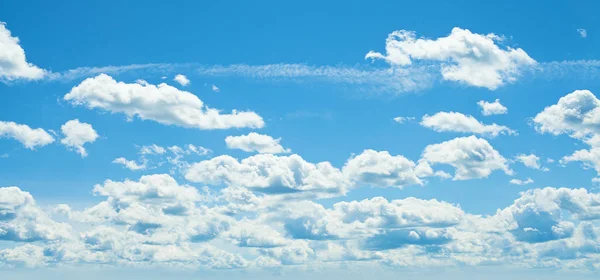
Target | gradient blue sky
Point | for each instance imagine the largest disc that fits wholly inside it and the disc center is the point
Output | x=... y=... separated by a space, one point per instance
x=301 y=67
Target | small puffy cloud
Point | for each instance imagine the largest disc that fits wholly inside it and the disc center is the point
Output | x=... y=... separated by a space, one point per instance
x=532 y=161
x=130 y=164
x=457 y=122
x=22 y=220
x=13 y=63
x=271 y=174
x=182 y=80
x=582 y=32
x=29 y=137
x=463 y=56
x=521 y=182
x=403 y=119
x=77 y=134
x=163 y=103
x=215 y=88
x=254 y=142
x=492 y=108
x=471 y=157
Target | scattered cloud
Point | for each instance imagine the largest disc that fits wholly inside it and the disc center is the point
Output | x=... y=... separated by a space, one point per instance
x=492 y=108
x=521 y=182
x=582 y=32
x=29 y=137
x=130 y=164
x=78 y=134
x=163 y=103
x=215 y=88
x=458 y=122
x=254 y=142
x=403 y=119
x=472 y=157
x=182 y=80
x=463 y=56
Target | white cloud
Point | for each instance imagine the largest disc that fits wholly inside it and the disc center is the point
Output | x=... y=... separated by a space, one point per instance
x=576 y=114
x=13 y=63
x=457 y=122
x=22 y=220
x=215 y=88
x=29 y=137
x=531 y=160
x=582 y=32
x=271 y=174
x=163 y=103
x=492 y=108
x=467 y=57
x=589 y=158
x=403 y=119
x=521 y=182
x=182 y=80
x=152 y=150
x=254 y=142
x=381 y=169
x=471 y=157
x=130 y=164
x=78 y=134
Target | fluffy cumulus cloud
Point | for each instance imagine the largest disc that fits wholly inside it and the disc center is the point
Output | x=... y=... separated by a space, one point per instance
x=76 y=134
x=13 y=63
x=576 y=114
x=492 y=108
x=254 y=142
x=22 y=220
x=271 y=174
x=458 y=122
x=182 y=79
x=463 y=56
x=471 y=157
x=381 y=169
x=30 y=138
x=162 y=103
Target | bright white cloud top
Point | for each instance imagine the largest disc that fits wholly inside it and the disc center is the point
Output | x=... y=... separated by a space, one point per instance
x=13 y=63
x=492 y=108
x=29 y=137
x=254 y=142
x=163 y=103
x=76 y=134
x=182 y=79
x=475 y=59
x=458 y=122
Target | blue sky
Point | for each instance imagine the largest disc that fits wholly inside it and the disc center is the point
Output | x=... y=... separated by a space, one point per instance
x=300 y=138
